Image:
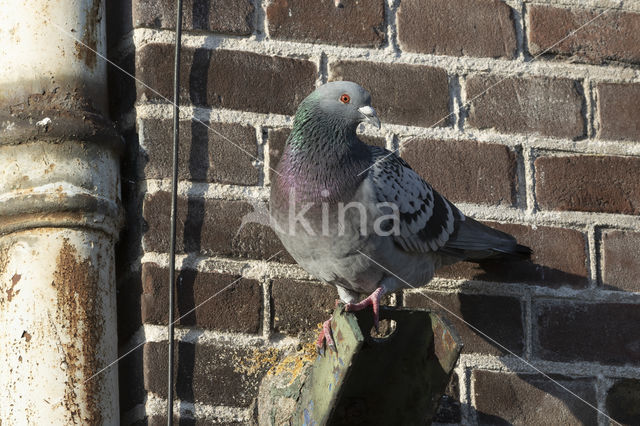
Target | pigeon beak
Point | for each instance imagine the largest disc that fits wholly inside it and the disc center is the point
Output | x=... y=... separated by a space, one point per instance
x=370 y=116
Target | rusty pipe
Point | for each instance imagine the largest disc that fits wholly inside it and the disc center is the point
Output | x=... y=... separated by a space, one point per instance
x=59 y=215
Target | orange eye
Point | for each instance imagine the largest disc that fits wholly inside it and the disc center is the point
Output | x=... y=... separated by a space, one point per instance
x=345 y=99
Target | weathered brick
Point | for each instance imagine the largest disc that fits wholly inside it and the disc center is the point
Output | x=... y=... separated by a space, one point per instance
x=551 y=107
x=215 y=375
x=588 y=183
x=468 y=171
x=623 y=401
x=205 y=154
x=532 y=399
x=559 y=258
x=620 y=260
x=220 y=16
x=278 y=137
x=205 y=299
x=299 y=306
x=457 y=27
x=619 y=110
x=579 y=331
x=211 y=227
x=614 y=35
x=226 y=79
x=402 y=94
x=499 y=317
x=356 y=23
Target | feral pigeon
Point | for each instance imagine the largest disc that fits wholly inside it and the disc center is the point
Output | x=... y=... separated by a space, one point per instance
x=357 y=216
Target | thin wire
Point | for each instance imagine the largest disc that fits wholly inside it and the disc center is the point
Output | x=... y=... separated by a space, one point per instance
x=174 y=210
x=489 y=338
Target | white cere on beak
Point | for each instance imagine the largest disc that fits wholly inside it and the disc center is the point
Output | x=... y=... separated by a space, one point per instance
x=370 y=115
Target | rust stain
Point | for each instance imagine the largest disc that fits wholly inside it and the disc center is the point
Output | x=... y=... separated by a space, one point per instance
x=86 y=52
x=11 y=292
x=26 y=336
x=78 y=310
x=4 y=260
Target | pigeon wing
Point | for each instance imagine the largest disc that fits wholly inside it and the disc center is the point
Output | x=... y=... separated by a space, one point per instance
x=426 y=219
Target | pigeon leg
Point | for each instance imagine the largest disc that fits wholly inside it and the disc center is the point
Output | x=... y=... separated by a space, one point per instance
x=325 y=336
x=373 y=300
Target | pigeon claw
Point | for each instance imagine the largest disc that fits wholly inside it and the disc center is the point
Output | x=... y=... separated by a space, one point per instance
x=372 y=300
x=325 y=337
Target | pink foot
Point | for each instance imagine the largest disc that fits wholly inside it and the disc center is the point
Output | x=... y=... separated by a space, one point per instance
x=325 y=336
x=373 y=300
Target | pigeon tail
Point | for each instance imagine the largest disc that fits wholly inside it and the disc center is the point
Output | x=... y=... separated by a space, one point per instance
x=474 y=242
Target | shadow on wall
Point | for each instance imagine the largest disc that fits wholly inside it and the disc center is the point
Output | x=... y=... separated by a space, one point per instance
x=192 y=240
x=519 y=398
x=128 y=249
x=510 y=398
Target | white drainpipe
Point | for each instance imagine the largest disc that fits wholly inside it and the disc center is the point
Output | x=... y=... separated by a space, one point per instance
x=59 y=216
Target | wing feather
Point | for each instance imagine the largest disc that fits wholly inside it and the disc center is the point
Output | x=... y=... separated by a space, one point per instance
x=426 y=218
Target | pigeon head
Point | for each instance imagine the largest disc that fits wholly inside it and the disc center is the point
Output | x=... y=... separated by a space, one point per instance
x=344 y=103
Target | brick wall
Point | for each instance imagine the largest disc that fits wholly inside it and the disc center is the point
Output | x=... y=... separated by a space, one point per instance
x=541 y=139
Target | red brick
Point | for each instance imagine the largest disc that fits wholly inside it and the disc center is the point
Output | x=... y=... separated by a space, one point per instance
x=619 y=110
x=299 y=306
x=204 y=155
x=615 y=35
x=570 y=331
x=620 y=260
x=214 y=375
x=226 y=79
x=623 y=401
x=222 y=302
x=210 y=227
x=588 y=183
x=550 y=107
x=457 y=27
x=466 y=171
x=356 y=23
x=559 y=258
x=532 y=399
x=499 y=317
x=220 y=16
x=402 y=94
